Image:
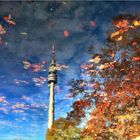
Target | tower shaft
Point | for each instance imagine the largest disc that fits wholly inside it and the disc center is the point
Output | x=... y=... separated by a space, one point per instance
x=52 y=80
x=51 y=106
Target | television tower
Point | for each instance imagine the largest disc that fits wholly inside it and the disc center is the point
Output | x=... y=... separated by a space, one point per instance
x=52 y=80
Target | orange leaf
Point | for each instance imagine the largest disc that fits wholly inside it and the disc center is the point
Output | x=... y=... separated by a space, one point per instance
x=66 y=33
x=136 y=58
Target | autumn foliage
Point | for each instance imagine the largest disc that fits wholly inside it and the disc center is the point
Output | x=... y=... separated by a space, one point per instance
x=113 y=92
x=63 y=129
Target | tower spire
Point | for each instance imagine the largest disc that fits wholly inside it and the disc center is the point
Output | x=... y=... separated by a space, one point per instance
x=52 y=80
x=53 y=54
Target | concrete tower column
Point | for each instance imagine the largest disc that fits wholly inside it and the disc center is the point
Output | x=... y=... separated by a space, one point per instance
x=51 y=106
x=52 y=80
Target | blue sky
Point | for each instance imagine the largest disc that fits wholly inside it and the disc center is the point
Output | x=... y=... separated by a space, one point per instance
x=39 y=25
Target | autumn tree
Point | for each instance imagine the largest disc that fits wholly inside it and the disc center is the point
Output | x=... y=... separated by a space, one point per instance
x=113 y=91
x=63 y=129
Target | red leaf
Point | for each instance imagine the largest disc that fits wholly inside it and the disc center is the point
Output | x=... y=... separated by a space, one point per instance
x=9 y=20
x=66 y=33
x=92 y=23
